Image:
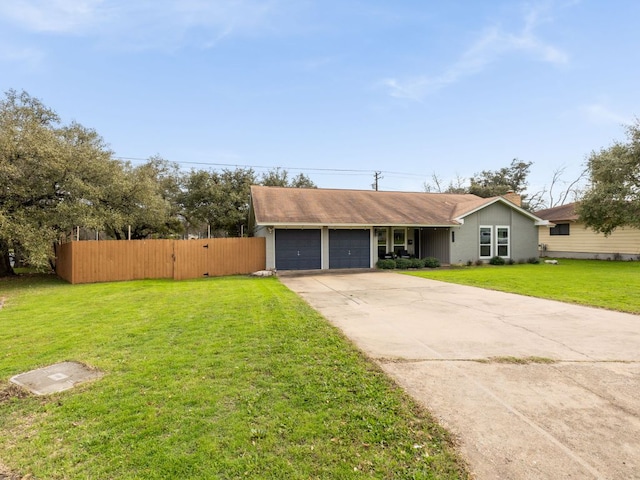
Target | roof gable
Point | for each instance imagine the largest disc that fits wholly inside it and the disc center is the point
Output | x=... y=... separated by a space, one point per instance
x=465 y=210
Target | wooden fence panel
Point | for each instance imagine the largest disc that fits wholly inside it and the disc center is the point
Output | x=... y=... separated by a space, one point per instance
x=233 y=256
x=216 y=257
x=64 y=261
x=118 y=260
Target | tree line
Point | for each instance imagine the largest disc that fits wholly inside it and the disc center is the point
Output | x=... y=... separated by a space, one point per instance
x=55 y=177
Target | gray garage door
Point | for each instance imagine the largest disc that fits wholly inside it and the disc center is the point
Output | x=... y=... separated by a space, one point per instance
x=349 y=249
x=298 y=249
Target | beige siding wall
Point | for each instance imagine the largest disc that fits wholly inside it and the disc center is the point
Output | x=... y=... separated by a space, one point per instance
x=583 y=240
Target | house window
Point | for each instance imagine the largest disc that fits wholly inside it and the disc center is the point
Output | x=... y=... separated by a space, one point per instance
x=559 y=229
x=486 y=250
x=399 y=241
x=502 y=240
x=382 y=242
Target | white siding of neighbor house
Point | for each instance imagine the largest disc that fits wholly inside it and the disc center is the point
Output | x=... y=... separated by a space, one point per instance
x=583 y=242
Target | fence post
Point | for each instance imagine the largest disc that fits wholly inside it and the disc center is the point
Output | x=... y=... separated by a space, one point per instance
x=173 y=258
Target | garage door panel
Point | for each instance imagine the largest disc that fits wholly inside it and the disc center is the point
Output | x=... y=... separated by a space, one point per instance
x=349 y=249
x=298 y=249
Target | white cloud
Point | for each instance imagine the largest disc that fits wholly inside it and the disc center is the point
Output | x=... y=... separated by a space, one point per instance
x=601 y=114
x=143 y=24
x=494 y=44
x=58 y=16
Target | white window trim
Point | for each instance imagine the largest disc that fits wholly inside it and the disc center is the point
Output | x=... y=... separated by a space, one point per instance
x=508 y=228
x=393 y=243
x=386 y=236
x=491 y=243
x=374 y=241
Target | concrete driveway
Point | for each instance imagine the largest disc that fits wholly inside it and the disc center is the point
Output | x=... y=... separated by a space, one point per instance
x=451 y=348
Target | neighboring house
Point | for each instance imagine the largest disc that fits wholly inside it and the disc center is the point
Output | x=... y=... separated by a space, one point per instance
x=309 y=229
x=570 y=238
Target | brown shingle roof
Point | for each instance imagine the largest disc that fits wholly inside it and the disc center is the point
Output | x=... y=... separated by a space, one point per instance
x=564 y=212
x=278 y=205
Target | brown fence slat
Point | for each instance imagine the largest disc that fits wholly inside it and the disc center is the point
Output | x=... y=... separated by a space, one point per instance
x=64 y=261
x=118 y=260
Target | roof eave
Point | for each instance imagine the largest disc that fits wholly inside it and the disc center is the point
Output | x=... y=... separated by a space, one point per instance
x=353 y=225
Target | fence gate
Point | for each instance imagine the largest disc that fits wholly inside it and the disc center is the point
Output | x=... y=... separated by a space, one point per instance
x=192 y=259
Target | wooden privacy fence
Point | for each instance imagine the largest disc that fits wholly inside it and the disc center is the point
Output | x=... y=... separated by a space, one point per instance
x=116 y=260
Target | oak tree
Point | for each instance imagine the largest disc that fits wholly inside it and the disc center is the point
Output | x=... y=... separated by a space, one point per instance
x=490 y=183
x=612 y=199
x=51 y=176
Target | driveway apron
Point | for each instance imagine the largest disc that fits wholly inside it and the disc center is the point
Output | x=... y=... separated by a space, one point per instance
x=454 y=349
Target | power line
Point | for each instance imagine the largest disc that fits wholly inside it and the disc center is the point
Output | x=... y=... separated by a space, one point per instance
x=377 y=173
x=348 y=170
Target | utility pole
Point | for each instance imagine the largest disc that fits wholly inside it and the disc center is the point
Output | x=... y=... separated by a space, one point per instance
x=377 y=176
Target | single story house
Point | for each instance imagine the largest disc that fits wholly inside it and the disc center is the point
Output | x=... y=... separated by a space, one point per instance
x=308 y=228
x=570 y=238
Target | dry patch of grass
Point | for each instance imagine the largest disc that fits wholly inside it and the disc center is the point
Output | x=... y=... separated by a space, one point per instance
x=7 y=474
x=12 y=391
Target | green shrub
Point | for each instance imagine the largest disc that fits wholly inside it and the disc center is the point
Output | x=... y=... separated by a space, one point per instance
x=403 y=263
x=386 y=264
x=431 y=262
x=496 y=260
x=533 y=260
x=511 y=261
x=417 y=263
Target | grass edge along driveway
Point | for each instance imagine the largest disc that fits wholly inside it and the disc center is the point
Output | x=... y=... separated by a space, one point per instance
x=614 y=285
x=216 y=378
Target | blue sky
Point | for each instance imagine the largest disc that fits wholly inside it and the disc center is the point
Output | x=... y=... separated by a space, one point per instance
x=409 y=88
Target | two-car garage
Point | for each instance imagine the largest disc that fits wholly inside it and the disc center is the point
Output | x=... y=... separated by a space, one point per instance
x=302 y=249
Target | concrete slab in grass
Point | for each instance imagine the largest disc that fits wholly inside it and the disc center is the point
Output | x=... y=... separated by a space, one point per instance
x=56 y=378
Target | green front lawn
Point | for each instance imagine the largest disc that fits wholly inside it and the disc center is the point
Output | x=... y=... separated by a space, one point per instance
x=598 y=283
x=217 y=378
